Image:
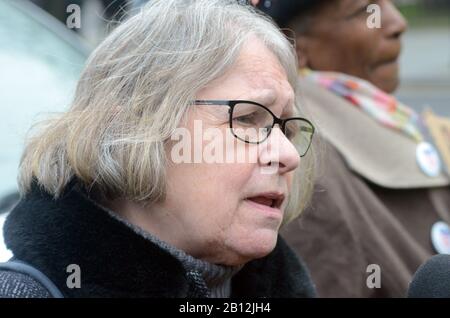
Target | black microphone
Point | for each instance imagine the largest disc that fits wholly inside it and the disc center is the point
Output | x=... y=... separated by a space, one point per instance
x=432 y=279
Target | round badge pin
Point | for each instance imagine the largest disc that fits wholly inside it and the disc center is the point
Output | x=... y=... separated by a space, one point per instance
x=428 y=159
x=440 y=237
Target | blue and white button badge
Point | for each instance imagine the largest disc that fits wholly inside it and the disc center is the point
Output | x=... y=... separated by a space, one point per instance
x=440 y=237
x=428 y=159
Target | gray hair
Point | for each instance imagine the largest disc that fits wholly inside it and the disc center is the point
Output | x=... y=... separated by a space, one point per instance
x=134 y=92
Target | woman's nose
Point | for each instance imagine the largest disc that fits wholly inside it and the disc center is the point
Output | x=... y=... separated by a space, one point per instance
x=278 y=152
x=393 y=21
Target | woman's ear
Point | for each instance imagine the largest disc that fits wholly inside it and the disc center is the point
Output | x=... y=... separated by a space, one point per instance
x=301 y=47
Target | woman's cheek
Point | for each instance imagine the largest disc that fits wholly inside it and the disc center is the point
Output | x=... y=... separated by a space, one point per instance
x=290 y=179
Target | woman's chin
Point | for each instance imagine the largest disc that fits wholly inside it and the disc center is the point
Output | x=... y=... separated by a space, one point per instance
x=386 y=77
x=255 y=246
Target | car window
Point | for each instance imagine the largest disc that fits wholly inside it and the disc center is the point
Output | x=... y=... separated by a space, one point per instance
x=39 y=70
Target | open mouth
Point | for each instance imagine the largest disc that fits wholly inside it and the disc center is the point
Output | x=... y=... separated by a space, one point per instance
x=270 y=200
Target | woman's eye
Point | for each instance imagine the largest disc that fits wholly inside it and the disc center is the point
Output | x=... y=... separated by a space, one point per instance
x=361 y=11
x=249 y=119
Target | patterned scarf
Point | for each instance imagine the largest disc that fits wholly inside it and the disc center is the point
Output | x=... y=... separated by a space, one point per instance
x=381 y=106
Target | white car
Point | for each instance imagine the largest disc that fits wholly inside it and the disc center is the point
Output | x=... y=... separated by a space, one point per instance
x=40 y=62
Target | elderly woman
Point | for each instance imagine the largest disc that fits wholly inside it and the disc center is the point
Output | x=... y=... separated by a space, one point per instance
x=381 y=199
x=114 y=205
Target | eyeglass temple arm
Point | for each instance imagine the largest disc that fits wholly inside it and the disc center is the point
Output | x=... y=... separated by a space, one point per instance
x=212 y=102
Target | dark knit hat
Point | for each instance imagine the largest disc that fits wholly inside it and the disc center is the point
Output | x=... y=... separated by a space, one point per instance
x=283 y=11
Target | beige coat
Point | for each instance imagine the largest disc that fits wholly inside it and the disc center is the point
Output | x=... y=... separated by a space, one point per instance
x=372 y=204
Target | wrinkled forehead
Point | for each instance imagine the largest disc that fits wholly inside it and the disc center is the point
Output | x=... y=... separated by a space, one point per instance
x=261 y=72
x=261 y=68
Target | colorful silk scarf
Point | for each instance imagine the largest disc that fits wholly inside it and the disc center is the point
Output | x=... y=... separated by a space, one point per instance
x=384 y=108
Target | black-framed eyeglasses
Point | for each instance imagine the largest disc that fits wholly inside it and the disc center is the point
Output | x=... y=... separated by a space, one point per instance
x=252 y=123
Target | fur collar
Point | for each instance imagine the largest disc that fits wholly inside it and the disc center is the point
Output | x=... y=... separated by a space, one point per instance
x=115 y=261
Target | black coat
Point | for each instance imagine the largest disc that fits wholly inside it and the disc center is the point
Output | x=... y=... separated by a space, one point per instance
x=115 y=261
